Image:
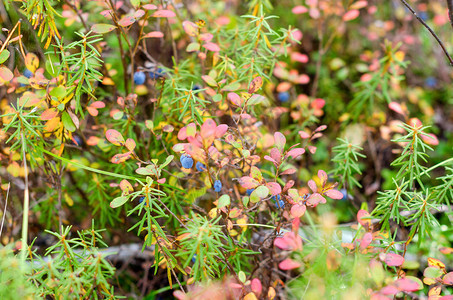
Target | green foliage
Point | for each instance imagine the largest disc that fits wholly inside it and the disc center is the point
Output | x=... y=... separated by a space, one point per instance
x=346 y=159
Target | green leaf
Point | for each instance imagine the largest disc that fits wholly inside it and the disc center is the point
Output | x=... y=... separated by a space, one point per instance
x=192 y=47
x=135 y=3
x=259 y=193
x=102 y=28
x=242 y=276
x=67 y=122
x=224 y=200
x=143 y=171
x=118 y=201
x=4 y=55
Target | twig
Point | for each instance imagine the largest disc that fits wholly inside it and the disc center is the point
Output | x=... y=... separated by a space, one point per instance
x=430 y=30
x=4 y=211
x=24 y=246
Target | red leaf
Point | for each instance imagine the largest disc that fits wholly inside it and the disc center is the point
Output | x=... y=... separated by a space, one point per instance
x=257 y=288
x=274 y=188
x=393 y=260
x=208 y=128
x=234 y=98
x=130 y=144
x=288 y=264
x=396 y=107
x=408 y=284
x=114 y=137
x=154 y=34
x=276 y=155
x=334 y=194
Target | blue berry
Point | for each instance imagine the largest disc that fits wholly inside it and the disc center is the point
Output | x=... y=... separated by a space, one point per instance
x=139 y=77
x=200 y=167
x=156 y=74
x=279 y=203
x=194 y=258
x=345 y=194
x=283 y=96
x=141 y=199
x=431 y=82
x=217 y=186
x=196 y=87
x=28 y=73
x=186 y=161
x=249 y=191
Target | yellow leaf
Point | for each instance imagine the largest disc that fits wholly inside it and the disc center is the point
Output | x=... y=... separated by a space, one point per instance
x=250 y=296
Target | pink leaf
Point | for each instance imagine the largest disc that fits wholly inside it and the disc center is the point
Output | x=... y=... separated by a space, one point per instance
x=164 y=13
x=299 y=9
x=359 y=4
x=130 y=144
x=276 y=155
x=206 y=37
x=299 y=57
x=295 y=153
x=304 y=135
x=408 y=284
x=149 y=6
x=396 y=107
x=323 y=176
x=429 y=138
x=267 y=157
x=280 y=140
x=126 y=21
x=234 y=98
x=208 y=128
x=362 y=218
x=257 y=288
x=114 y=137
x=120 y=158
x=393 y=260
x=312 y=185
x=312 y=149
x=314 y=199
x=298 y=210
x=288 y=264
x=366 y=240
x=351 y=15
x=154 y=34
x=190 y=28
x=182 y=134
x=221 y=130
x=448 y=278
x=98 y=104
x=212 y=47
x=288 y=172
x=334 y=194
x=126 y=187
x=248 y=182
x=274 y=188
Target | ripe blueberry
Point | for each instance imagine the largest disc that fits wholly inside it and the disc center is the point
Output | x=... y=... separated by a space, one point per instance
x=283 y=96
x=186 y=161
x=217 y=186
x=139 y=77
x=28 y=73
x=200 y=167
x=249 y=191
x=279 y=203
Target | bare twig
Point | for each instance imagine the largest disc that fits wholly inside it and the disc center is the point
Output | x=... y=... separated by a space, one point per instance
x=430 y=30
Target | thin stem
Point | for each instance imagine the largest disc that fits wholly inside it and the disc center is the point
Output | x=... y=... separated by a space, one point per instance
x=450 y=11
x=430 y=30
x=26 y=205
x=4 y=211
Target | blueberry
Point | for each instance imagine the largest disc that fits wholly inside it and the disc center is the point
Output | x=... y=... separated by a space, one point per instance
x=283 y=96
x=279 y=203
x=28 y=73
x=217 y=186
x=196 y=87
x=139 y=77
x=194 y=258
x=186 y=161
x=200 y=167
x=431 y=82
x=345 y=194
x=141 y=199
x=249 y=191
x=156 y=74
